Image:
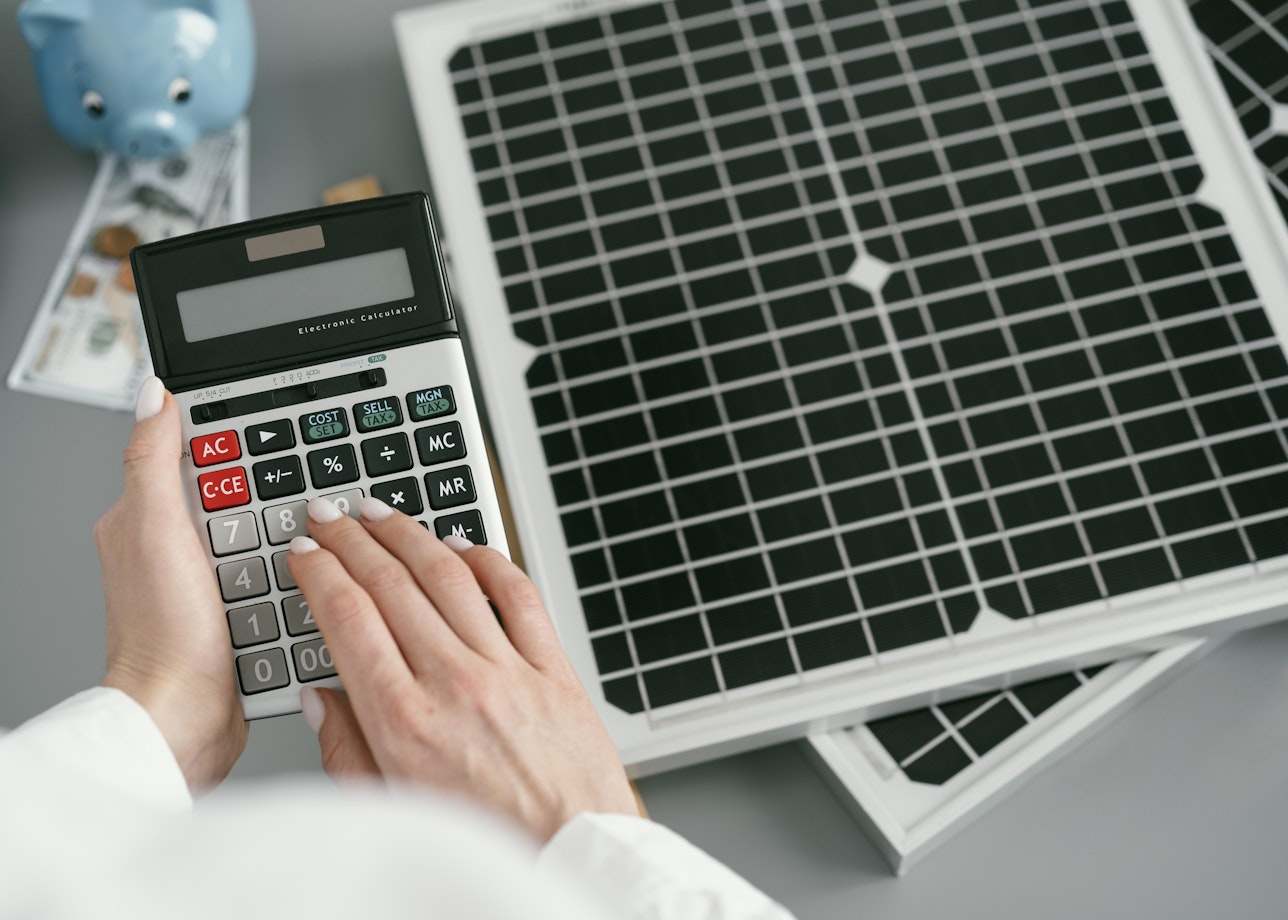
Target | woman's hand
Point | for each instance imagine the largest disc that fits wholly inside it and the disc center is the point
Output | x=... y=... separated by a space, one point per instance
x=438 y=692
x=167 y=639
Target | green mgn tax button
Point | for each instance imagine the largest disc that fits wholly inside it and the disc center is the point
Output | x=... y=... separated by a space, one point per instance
x=431 y=403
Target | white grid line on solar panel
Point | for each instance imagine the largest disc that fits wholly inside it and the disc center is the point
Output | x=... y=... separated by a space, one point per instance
x=831 y=486
x=1259 y=93
x=1205 y=260
x=806 y=208
x=660 y=459
x=952 y=732
x=633 y=142
x=1260 y=23
x=876 y=650
x=686 y=277
x=491 y=104
x=1036 y=399
x=748 y=10
x=1062 y=282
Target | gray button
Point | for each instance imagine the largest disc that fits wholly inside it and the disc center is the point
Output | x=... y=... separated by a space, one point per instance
x=348 y=502
x=299 y=619
x=233 y=533
x=284 y=579
x=243 y=579
x=260 y=671
x=253 y=625
x=313 y=660
x=284 y=522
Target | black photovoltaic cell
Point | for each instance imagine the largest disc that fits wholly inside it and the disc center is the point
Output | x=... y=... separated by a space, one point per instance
x=934 y=744
x=854 y=320
x=1248 y=43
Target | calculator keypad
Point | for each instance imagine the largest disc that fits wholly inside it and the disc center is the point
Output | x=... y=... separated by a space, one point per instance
x=413 y=436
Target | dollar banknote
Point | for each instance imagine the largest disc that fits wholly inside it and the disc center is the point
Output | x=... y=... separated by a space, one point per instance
x=86 y=343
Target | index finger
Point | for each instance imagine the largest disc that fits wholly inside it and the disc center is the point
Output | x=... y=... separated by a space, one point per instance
x=365 y=653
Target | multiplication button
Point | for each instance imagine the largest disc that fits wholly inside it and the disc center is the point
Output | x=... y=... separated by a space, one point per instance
x=430 y=403
x=400 y=494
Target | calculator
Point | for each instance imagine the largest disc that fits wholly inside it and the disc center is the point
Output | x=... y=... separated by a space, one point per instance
x=312 y=354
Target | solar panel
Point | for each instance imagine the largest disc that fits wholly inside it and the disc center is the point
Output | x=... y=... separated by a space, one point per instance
x=915 y=779
x=842 y=352
x=1248 y=44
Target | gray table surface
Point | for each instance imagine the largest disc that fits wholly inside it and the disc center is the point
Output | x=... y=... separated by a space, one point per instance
x=1177 y=809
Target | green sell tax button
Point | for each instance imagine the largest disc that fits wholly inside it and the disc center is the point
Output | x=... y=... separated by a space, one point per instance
x=377 y=413
x=431 y=403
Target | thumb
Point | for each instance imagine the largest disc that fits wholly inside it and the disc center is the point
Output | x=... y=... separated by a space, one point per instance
x=152 y=454
x=344 y=748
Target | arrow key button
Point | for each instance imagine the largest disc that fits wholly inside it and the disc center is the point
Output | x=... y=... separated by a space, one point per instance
x=270 y=437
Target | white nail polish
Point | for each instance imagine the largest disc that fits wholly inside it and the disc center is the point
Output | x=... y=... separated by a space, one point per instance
x=460 y=544
x=323 y=511
x=313 y=708
x=300 y=545
x=373 y=509
x=150 y=400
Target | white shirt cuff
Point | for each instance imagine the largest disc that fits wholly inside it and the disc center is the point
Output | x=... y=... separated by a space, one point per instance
x=103 y=737
x=643 y=870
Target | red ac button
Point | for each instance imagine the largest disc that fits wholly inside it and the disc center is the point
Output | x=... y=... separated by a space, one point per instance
x=219 y=447
x=223 y=488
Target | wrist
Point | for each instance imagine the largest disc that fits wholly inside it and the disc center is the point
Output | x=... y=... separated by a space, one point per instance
x=204 y=732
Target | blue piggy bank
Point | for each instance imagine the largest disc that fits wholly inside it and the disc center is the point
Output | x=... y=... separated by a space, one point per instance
x=144 y=78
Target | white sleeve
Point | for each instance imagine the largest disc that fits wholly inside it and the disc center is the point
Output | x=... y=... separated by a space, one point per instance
x=646 y=872
x=99 y=738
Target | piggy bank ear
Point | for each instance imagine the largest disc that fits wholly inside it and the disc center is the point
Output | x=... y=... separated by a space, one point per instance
x=39 y=19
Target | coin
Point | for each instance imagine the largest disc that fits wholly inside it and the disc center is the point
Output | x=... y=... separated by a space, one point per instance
x=125 y=276
x=115 y=241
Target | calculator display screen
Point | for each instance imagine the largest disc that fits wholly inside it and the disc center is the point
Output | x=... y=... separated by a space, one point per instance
x=295 y=295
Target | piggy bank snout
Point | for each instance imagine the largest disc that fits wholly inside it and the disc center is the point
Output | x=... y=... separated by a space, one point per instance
x=151 y=133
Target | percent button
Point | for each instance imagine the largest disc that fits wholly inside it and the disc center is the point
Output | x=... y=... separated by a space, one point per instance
x=333 y=466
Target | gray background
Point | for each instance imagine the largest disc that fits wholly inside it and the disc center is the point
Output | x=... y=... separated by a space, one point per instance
x=1177 y=809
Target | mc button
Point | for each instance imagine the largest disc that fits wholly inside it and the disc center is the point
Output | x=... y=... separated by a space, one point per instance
x=223 y=488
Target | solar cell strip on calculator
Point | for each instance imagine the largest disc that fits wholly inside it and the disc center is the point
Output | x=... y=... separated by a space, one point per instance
x=1248 y=43
x=855 y=321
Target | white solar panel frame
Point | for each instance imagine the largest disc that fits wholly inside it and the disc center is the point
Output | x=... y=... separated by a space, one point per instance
x=839 y=695
x=906 y=820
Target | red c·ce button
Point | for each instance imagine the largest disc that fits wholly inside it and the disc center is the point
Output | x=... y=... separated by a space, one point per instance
x=223 y=488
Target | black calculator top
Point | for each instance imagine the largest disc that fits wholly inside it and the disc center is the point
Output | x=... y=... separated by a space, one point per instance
x=291 y=290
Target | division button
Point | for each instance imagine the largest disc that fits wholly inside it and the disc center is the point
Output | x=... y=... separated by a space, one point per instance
x=324 y=425
x=440 y=443
x=467 y=524
x=260 y=671
x=400 y=494
x=390 y=453
x=333 y=466
x=270 y=437
x=223 y=488
x=276 y=478
x=431 y=403
x=377 y=414
x=220 y=447
x=450 y=487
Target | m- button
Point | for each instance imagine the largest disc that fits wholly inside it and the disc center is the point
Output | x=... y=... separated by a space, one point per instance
x=223 y=488
x=219 y=447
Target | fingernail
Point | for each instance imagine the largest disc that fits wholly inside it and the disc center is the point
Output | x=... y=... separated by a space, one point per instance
x=460 y=544
x=304 y=545
x=151 y=399
x=373 y=509
x=323 y=511
x=312 y=706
